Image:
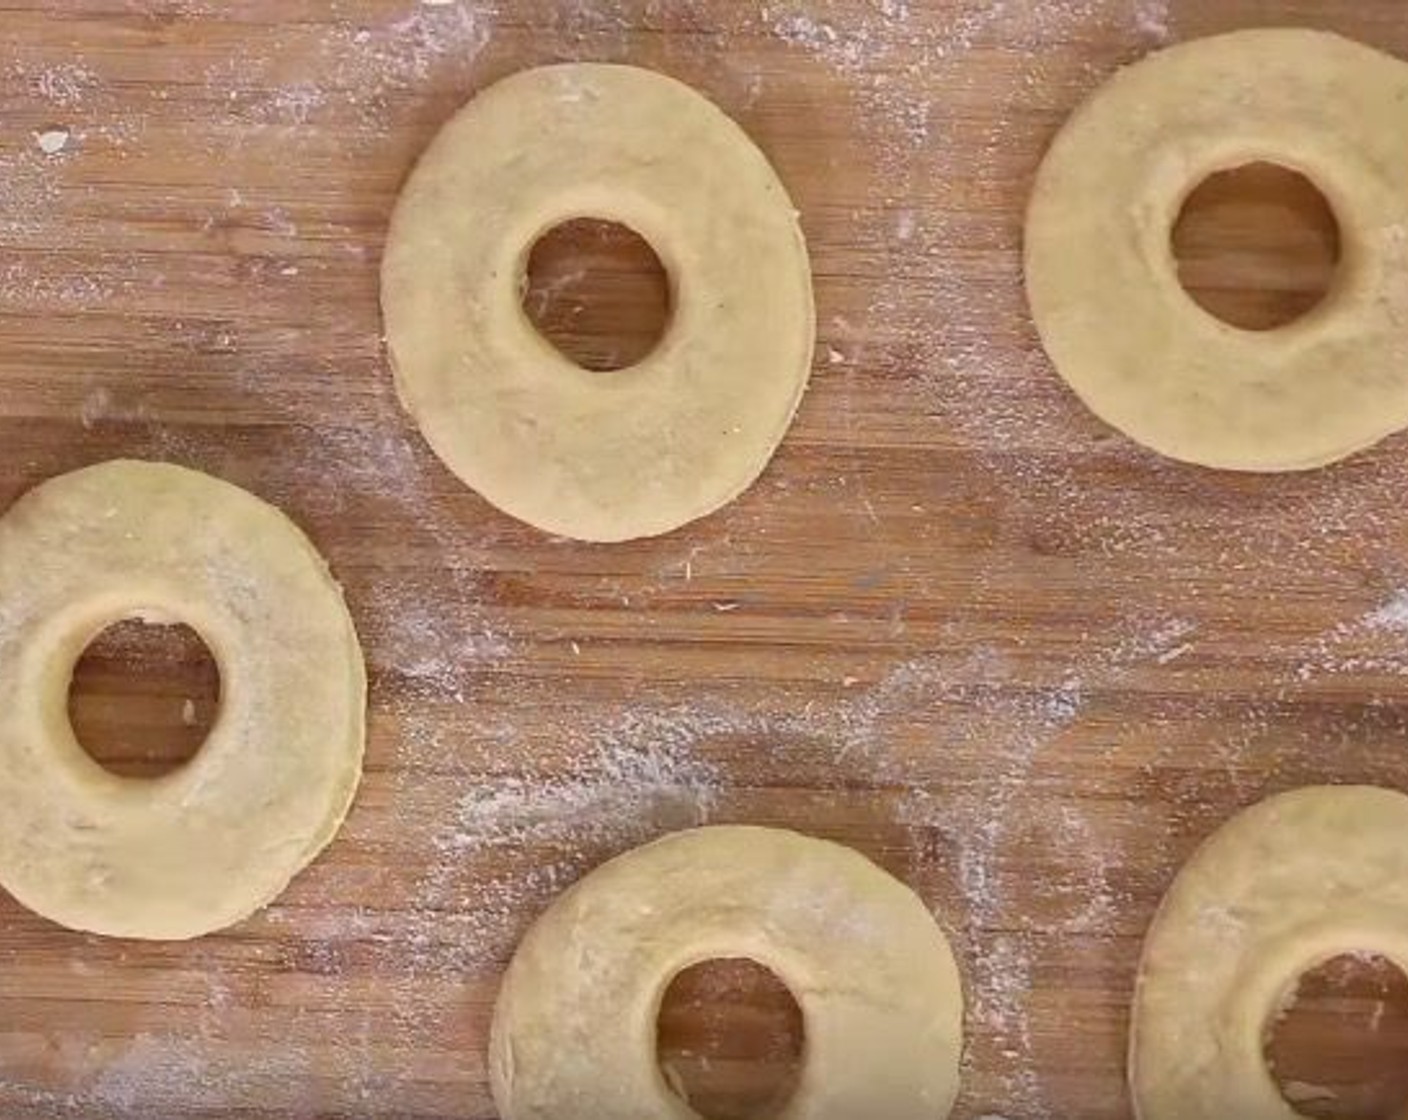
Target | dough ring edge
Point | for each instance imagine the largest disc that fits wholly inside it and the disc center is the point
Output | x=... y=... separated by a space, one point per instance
x=598 y=456
x=210 y=843
x=574 y=1029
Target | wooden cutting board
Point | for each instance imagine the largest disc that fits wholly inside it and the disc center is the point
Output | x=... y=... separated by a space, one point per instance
x=959 y=624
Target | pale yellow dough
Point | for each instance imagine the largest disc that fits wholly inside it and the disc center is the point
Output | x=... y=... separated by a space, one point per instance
x=598 y=456
x=574 y=1031
x=210 y=843
x=1102 y=278
x=1282 y=888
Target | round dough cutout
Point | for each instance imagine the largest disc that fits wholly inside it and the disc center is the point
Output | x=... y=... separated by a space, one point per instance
x=1103 y=282
x=574 y=1030
x=1284 y=887
x=208 y=844
x=596 y=456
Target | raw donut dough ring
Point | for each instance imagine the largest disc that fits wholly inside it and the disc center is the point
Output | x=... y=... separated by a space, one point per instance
x=208 y=844
x=1103 y=282
x=1282 y=888
x=574 y=1031
x=598 y=456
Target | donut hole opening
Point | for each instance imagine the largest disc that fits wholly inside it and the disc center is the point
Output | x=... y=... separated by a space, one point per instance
x=1257 y=246
x=597 y=291
x=143 y=698
x=1339 y=1051
x=730 y=1040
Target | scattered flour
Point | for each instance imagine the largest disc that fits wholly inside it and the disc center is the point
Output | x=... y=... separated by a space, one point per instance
x=627 y=780
x=64 y=84
x=1368 y=645
x=927 y=723
x=1151 y=17
x=1392 y=616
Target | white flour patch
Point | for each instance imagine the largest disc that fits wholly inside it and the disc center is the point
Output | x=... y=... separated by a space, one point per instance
x=64 y=85
x=157 y=1072
x=24 y=286
x=848 y=50
x=1151 y=19
x=640 y=774
x=52 y=141
x=434 y=647
x=29 y=198
x=388 y=57
x=1392 y=616
x=96 y=407
x=1367 y=644
x=294 y=104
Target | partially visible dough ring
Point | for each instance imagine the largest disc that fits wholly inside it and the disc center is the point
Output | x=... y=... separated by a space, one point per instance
x=1103 y=281
x=598 y=456
x=574 y=1032
x=1282 y=888
x=208 y=844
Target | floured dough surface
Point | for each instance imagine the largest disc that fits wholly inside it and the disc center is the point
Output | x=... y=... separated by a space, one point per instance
x=591 y=455
x=204 y=846
x=1103 y=282
x=574 y=1032
x=1284 y=887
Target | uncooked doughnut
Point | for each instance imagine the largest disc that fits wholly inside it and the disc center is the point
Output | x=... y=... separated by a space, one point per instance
x=1282 y=888
x=208 y=844
x=574 y=1031
x=1103 y=282
x=591 y=455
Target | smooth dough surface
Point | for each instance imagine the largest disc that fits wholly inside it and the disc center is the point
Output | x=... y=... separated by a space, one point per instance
x=598 y=456
x=1103 y=281
x=574 y=1031
x=1284 y=887
x=208 y=844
